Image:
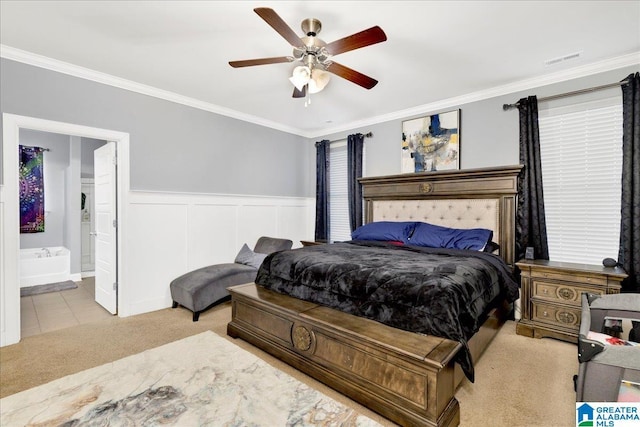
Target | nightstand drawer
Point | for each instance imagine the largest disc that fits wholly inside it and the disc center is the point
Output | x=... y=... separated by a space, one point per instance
x=570 y=277
x=565 y=317
x=565 y=293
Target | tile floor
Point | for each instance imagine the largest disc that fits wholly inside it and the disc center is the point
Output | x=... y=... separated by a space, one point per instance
x=57 y=310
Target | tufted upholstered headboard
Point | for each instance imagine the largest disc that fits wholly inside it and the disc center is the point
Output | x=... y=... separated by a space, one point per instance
x=454 y=213
x=471 y=198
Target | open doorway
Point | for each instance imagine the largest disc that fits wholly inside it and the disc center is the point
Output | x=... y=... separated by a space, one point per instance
x=9 y=221
x=57 y=258
x=65 y=185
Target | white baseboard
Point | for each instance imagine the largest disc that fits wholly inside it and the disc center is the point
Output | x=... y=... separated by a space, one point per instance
x=88 y=274
x=76 y=277
x=147 y=306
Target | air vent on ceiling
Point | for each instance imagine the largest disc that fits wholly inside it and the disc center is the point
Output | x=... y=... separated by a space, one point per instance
x=564 y=58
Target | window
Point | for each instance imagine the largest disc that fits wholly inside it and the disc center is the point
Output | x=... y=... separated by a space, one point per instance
x=339 y=228
x=581 y=155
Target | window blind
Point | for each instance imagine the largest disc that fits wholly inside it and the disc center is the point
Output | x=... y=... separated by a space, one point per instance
x=338 y=194
x=581 y=156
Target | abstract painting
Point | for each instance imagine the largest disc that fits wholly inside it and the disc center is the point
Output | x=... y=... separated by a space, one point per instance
x=431 y=143
x=31 y=190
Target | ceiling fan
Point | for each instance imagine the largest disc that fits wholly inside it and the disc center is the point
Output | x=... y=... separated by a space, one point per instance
x=315 y=54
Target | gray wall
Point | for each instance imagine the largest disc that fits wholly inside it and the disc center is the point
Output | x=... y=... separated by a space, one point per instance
x=87 y=147
x=73 y=205
x=488 y=135
x=179 y=148
x=173 y=147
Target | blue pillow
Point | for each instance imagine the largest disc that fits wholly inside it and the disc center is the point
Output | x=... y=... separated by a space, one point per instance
x=436 y=236
x=384 y=231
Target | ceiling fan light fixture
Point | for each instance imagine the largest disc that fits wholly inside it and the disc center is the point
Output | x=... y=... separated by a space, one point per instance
x=319 y=79
x=300 y=76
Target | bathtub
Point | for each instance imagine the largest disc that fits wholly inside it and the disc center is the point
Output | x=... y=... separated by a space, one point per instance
x=46 y=265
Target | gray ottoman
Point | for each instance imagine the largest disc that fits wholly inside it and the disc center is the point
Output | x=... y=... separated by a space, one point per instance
x=201 y=288
x=207 y=286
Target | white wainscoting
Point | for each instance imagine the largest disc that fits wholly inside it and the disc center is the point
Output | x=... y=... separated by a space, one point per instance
x=170 y=234
x=9 y=289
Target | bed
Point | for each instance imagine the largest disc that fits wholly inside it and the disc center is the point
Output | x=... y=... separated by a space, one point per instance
x=408 y=377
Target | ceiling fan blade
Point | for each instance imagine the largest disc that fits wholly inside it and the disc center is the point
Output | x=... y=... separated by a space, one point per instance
x=274 y=20
x=351 y=75
x=300 y=93
x=260 y=61
x=364 y=38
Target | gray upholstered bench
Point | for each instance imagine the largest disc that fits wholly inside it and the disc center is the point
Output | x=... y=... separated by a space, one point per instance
x=205 y=287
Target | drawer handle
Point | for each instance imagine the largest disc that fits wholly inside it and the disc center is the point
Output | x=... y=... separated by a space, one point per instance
x=545 y=314
x=566 y=293
x=566 y=317
x=545 y=291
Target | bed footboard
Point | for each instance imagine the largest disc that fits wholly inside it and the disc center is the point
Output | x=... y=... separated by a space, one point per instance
x=405 y=377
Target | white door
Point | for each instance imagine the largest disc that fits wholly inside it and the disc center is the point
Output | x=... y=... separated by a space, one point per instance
x=105 y=223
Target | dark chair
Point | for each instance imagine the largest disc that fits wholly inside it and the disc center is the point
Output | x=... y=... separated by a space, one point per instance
x=205 y=287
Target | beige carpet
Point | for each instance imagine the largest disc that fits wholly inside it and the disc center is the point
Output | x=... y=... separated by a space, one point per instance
x=519 y=381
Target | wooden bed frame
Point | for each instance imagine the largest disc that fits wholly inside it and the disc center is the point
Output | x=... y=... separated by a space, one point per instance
x=408 y=378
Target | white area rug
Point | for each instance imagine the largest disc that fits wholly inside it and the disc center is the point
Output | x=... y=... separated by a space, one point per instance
x=199 y=380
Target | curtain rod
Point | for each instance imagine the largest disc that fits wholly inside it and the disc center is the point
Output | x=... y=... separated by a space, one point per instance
x=506 y=107
x=366 y=135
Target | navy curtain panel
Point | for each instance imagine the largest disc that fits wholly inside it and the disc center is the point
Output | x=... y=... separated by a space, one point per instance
x=531 y=228
x=629 y=253
x=322 y=191
x=355 y=144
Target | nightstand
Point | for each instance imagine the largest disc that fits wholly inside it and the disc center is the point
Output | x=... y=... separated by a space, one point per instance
x=550 y=295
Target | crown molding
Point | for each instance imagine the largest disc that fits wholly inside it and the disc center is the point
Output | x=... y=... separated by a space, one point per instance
x=558 y=77
x=96 y=76
x=107 y=79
